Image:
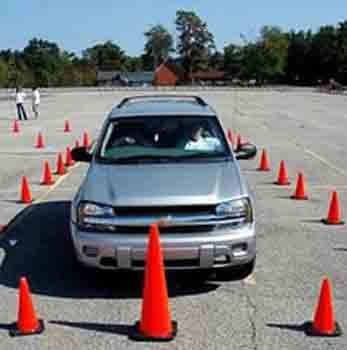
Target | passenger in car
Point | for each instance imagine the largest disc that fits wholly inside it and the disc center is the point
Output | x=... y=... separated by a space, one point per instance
x=199 y=142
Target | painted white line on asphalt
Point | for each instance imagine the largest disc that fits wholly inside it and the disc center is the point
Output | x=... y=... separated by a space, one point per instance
x=325 y=161
x=55 y=185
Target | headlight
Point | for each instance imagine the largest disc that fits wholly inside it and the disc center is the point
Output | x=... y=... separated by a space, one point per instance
x=239 y=208
x=86 y=209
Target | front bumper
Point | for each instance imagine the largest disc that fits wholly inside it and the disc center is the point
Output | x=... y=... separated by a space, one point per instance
x=225 y=248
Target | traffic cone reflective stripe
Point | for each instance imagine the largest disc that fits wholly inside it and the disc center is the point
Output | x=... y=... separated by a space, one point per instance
x=47 y=175
x=334 y=215
x=264 y=162
x=282 y=175
x=27 y=322
x=25 y=192
x=155 y=324
x=67 y=127
x=60 y=165
x=39 y=141
x=324 y=323
x=300 y=188
x=69 y=161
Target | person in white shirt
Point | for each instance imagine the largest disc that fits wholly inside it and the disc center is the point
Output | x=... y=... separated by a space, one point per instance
x=36 y=101
x=20 y=96
x=198 y=142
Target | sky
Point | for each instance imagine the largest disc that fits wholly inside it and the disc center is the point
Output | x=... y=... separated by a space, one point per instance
x=75 y=24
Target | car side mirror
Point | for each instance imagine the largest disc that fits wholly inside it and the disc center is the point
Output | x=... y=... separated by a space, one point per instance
x=246 y=151
x=81 y=154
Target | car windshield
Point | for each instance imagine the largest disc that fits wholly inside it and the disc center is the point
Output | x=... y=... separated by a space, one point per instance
x=163 y=139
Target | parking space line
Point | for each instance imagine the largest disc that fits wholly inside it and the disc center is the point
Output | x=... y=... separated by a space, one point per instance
x=325 y=161
x=55 y=185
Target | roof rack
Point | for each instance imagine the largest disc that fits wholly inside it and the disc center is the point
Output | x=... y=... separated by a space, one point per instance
x=197 y=99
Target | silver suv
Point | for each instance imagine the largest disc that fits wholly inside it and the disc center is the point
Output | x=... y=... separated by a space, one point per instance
x=164 y=159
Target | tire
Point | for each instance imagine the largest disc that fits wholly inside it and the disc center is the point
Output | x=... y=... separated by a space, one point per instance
x=236 y=272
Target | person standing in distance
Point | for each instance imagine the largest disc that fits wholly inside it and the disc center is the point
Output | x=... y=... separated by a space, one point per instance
x=20 y=95
x=36 y=101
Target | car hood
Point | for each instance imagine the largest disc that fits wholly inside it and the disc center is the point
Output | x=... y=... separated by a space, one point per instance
x=162 y=184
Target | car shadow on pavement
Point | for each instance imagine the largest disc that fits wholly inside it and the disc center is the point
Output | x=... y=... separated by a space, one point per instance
x=37 y=245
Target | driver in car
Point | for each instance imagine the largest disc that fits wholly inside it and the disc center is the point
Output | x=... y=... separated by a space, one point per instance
x=199 y=142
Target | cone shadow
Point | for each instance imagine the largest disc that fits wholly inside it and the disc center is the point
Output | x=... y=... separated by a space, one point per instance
x=97 y=327
x=312 y=221
x=43 y=238
x=291 y=327
x=340 y=249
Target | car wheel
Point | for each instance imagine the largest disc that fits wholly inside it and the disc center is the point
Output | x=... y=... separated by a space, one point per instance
x=235 y=272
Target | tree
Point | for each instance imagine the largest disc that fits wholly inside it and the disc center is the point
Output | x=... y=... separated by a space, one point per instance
x=275 y=48
x=133 y=64
x=107 y=56
x=233 y=60
x=43 y=58
x=195 y=42
x=342 y=52
x=298 y=67
x=159 y=44
x=3 y=73
x=216 y=61
x=323 y=54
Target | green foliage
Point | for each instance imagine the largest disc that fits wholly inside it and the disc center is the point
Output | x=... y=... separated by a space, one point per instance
x=107 y=56
x=294 y=57
x=3 y=73
x=195 y=42
x=159 y=45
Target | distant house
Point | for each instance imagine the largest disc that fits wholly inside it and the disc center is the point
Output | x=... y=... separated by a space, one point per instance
x=209 y=77
x=164 y=76
x=120 y=78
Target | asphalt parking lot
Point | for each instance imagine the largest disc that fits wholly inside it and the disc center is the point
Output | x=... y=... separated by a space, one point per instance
x=85 y=309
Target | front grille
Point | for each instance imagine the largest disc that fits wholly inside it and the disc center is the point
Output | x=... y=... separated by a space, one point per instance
x=170 y=263
x=165 y=210
x=163 y=230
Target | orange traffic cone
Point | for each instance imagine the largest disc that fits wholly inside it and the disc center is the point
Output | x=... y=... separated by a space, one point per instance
x=77 y=144
x=60 y=165
x=27 y=323
x=69 y=161
x=39 y=141
x=26 y=194
x=230 y=136
x=86 y=140
x=15 y=126
x=282 y=175
x=67 y=127
x=264 y=162
x=334 y=215
x=300 y=188
x=324 y=323
x=155 y=324
x=47 y=178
